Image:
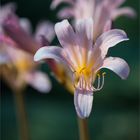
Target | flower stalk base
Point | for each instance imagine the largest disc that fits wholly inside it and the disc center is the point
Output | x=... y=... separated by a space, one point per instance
x=83 y=129
x=21 y=115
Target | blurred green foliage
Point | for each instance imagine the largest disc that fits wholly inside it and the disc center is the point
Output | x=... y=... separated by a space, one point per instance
x=53 y=117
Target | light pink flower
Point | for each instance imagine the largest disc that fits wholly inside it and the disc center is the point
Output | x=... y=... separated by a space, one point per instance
x=17 y=66
x=117 y=11
x=85 y=58
x=102 y=11
x=18 y=69
x=87 y=8
x=19 y=30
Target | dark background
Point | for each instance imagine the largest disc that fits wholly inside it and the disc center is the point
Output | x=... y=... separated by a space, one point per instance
x=52 y=116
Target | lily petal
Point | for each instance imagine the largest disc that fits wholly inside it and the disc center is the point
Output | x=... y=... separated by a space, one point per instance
x=55 y=3
x=102 y=15
x=6 y=10
x=115 y=3
x=49 y=52
x=84 y=29
x=108 y=26
x=65 y=33
x=109 y=39
x=14 y=31
x=46 y=29
x=43 y=41
x=6 y=40
x=117 y=65
x=26 y=25
x=39 y=81
x=125 y=11
x=83 y=103
x=65 y=13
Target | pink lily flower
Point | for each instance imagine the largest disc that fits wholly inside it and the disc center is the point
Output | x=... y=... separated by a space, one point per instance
x=19 y=41
x=84 y=59
x=20 y=32
x=87 y=8
x=102 y=11
x=117 y=11
x=19 y=70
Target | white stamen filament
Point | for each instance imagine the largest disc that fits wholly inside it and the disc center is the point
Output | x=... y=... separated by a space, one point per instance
x=99 y=80
x=100 y=86
x=87 y=85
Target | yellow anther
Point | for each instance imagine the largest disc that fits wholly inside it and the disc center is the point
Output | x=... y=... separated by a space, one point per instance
x=81 y=70
x=103 y=73
x=98 y=75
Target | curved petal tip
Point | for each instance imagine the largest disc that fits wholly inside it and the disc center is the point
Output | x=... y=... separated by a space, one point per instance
x=117 y=65
x=49 y=52
x=39 y=81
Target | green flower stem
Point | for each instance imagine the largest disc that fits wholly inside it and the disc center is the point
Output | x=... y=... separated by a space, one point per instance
x=83 y=129
x=21 y=115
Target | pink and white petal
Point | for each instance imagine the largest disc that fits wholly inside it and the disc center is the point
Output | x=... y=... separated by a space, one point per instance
x=102 y=15
x=46 y=29
x=65 y=13
x=108 y=26
x=43 y=41
x=6 y=10
x=84 y=30
x=83 y=102
x=115 y=3
x=108 y=40
x=39 y=81
x=55 y=3
x=65 y=33
x=26 y=25
x=16 y=33
x=56 y=53
x=6 y=40
x=117 y=65
x=84 y=33
x=49 y=52
x=125 y=11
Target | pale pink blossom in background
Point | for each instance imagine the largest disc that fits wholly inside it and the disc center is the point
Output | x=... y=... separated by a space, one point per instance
x=102 y=11
x=17 y=66
x=18 y=69
x=19 y=30
x=88 y=8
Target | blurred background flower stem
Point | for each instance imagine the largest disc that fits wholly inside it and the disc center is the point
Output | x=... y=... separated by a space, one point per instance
x=21 y=115
x=83 y=129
